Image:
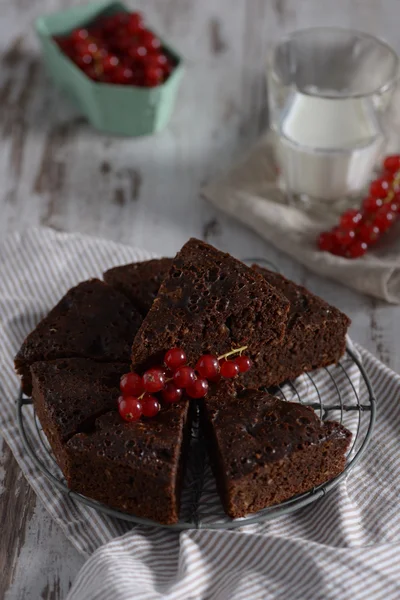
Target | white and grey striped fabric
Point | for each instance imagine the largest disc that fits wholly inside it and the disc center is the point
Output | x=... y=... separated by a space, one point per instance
x=345 y=546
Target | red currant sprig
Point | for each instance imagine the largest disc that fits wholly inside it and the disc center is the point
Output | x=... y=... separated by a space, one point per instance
x=359 y=229
x=137 y=399
x=118 y=49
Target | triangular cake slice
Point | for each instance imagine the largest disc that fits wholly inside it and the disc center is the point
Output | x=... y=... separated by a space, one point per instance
x=139 y=282
x=210 y=302
x=135 y=467
x=70 y=393
x=265 y=450
x=92 y=320
x=315 y=335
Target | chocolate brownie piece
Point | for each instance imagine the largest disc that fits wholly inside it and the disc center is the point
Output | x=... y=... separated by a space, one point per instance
x=315 y=336
x=135 y=467
x=70 y=393
x=210 y=302
x=92 y=320
x=265 y=450
x=139 y=282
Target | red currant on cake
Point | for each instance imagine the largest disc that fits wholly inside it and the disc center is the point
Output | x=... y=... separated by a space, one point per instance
x=174 y=358
x=171 y=394
x=130 y=408
x=131 y=384
x=150 y=406
x=184 y=376
x=208 y=366
x=154 y=380
x=229 y=369
x=197 y=389
x=244 y=363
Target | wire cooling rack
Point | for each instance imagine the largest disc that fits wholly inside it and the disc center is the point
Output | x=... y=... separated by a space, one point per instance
x=342 y=393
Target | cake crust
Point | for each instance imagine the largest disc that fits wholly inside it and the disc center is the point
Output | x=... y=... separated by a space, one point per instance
x=92 y=321
x=265 y=450
x=70 y=394
x=315 y=336
x=210 y=302
x=135 y=467
x=140 y=281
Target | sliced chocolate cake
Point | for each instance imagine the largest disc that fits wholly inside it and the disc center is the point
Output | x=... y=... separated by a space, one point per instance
x=139 y=282
x=265 y=450
x=315 y=336
x=210 y=302
x=92 y=320
x=70 y=393
x=135 y=467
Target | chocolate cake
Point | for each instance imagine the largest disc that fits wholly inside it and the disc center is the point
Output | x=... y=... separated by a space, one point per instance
x=92 y=320
x=315 y=336
x=265 y=450
x=70 y=393
x=139 y=282
x=135 y=467
x=210 y=302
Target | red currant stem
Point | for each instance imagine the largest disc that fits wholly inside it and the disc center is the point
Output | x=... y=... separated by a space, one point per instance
x=142 y=395
x=236 y=351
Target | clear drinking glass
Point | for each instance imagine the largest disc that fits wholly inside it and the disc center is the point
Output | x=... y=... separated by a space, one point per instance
x=330 y=98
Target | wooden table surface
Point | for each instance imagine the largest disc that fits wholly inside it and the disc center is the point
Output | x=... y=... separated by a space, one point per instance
x=57 y=172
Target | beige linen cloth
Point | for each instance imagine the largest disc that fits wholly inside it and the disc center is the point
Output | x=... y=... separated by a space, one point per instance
x=252 y=193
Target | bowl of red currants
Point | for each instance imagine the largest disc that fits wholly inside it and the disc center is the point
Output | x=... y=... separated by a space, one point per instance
x=119 y=73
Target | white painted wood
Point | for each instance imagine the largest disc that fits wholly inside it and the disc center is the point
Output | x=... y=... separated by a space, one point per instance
x=56 y=171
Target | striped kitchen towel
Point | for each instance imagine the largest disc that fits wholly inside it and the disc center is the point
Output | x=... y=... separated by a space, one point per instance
x=345 y=546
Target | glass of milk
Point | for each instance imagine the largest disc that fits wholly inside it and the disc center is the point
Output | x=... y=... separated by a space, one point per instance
x=331 y=110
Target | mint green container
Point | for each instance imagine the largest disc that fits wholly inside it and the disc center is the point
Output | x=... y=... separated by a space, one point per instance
x=115 y=109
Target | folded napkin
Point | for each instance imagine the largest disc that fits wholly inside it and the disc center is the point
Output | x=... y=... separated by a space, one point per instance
x=252 y=193
x=345 y=546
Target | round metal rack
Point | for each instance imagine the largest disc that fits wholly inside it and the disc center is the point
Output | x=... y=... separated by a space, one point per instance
x=346 y=396
x=342 y=393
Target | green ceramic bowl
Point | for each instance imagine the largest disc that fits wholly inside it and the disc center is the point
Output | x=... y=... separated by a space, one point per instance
x=116 y=109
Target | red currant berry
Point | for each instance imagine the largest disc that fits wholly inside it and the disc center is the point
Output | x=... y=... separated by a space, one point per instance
x=197 y=389
x=229 y=369
x=326 y=241
x=78 y=35
x=392 y=163
x=149 y=40
x=371 y=205
x=171 y=393
x=184 y=376
x=350 y=218
x=208 y=366
x=150 y=406
x=344 y=237
x=357 y=249
x=153 y=76
x=121 y=75
x=137 y=52
x=379 y=188
x=384 y=218
x=131 y=384
x=130 y=408
x=244 y=363
x=154 y=380
x=174 y=358
x=83 y=61
x=392 y=206
x=135 y=23
x=368 y=233
x=109 y=63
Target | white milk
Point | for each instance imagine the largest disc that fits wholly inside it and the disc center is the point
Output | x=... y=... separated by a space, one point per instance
x=328 y=147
